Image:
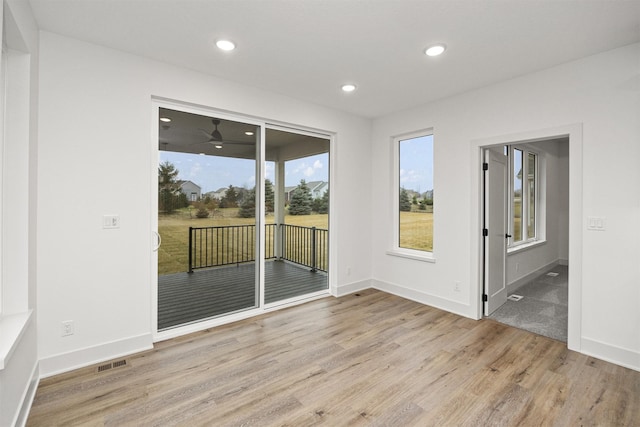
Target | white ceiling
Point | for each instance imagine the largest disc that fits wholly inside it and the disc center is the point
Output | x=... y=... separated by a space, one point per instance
x=307 y=49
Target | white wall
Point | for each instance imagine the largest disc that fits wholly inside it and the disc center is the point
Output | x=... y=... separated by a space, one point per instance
x=598 y=92
x=95 y=138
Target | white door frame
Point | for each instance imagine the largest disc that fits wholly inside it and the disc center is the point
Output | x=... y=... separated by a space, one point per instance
x=156 y=104
x=574 y=133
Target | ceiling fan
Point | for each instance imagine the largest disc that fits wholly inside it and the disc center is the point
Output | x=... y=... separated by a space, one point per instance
x=215 y=137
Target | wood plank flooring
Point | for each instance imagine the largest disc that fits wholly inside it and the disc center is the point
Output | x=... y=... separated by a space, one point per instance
x=185 y=298
x=364 y=359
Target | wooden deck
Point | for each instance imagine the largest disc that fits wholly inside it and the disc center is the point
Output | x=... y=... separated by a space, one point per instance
x=185 y=298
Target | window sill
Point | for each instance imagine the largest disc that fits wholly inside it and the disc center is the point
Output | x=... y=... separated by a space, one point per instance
x=525 y=246
x=11 y=329
x=415 y=255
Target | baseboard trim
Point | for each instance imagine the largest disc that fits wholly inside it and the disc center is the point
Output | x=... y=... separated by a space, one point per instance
x=530 y=276
x=611 y=353
x=352 y=287
x=424 y=298
x=65 y=362
x=27 y=399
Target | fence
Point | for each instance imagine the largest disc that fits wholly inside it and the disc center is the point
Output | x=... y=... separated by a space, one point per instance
x=235 y=244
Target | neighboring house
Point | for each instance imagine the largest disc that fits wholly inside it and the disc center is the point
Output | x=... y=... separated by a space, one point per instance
x=218 y=194
x=190 y=189
x=316 y=188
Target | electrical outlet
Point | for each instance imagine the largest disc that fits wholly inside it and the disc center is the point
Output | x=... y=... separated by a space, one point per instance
x=456 y=287
x=67 y=328
x=517 y=266
x=348 y=271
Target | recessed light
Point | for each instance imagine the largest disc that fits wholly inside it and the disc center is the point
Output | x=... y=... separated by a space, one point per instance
x=165 y=119
x=225 y=45
x=248 y=133
x=218 y=146
x=202 y=154
x=435 y=50
x=348 y=87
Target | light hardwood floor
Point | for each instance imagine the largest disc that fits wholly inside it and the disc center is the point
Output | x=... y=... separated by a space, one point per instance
x=364 y=359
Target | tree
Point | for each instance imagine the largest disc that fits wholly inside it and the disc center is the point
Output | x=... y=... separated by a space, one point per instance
x=321 y=204
x=168 y=188
x=230 y=199
x=405 y=203
x=300 y=203
x=248 y=206
x=269 y=198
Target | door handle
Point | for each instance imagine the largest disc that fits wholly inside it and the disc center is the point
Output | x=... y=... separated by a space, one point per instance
x=506 y=236
x=159 y=240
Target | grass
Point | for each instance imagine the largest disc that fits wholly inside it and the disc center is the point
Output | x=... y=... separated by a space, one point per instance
x=173 y=255
x=416 y=230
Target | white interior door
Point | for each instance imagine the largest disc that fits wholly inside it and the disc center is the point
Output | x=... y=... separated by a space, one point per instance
x=495 y=240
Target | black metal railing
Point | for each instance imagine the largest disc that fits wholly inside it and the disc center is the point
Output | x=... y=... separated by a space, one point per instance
x=235 y=244
x=305 y=246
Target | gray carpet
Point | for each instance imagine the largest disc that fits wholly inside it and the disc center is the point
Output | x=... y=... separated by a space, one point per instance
x=543 y=308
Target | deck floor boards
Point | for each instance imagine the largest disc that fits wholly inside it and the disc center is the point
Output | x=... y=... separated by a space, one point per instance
x=184 y=298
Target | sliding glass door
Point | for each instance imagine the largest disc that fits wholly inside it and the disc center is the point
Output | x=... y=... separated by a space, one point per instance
x=207 y=220
x=242 y=223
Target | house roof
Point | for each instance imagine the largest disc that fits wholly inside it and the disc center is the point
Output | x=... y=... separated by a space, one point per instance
x=182 y=182
x=378 y=45
x=313 y=185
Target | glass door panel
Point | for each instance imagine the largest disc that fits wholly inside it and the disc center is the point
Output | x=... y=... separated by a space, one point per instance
x=297 y=214
x=206 y=217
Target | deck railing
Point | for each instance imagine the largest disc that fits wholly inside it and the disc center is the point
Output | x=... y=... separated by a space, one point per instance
x=235 y=244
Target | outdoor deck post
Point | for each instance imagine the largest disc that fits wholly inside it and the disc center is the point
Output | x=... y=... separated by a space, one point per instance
x=313 y=249
x=278 y=207
x=190 y=249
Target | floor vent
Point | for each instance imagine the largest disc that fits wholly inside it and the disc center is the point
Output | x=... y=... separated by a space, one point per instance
x=112 y=365
x=552 y=274
x=514 y=297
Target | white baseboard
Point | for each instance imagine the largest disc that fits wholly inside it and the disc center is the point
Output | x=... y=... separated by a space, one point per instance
x=511 y=287
x=27 y=401
x=81 y=358
x=352 y=287
x=611 y=353
x=424 y=298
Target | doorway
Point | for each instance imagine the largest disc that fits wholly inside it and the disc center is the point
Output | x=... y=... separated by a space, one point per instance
x=530 y=268
x=224 y=247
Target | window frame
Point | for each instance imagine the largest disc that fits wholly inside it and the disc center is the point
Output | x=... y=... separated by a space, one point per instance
x=539 y=202
x=396 y=249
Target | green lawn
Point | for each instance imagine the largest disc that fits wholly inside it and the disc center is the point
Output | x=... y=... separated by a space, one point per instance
x=173 y=255
x=416 y=230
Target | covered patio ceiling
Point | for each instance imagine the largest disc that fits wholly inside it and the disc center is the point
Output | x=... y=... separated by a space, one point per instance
x=192 y=133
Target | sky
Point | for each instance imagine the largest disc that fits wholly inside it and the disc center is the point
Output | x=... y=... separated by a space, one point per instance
x=416 y=163
x=212 y=173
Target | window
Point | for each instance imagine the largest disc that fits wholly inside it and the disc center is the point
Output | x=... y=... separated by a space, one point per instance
x=414 y=197
x=523 y=195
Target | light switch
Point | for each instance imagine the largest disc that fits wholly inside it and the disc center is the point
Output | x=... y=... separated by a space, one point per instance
x=596 y=223
x=111 y=221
